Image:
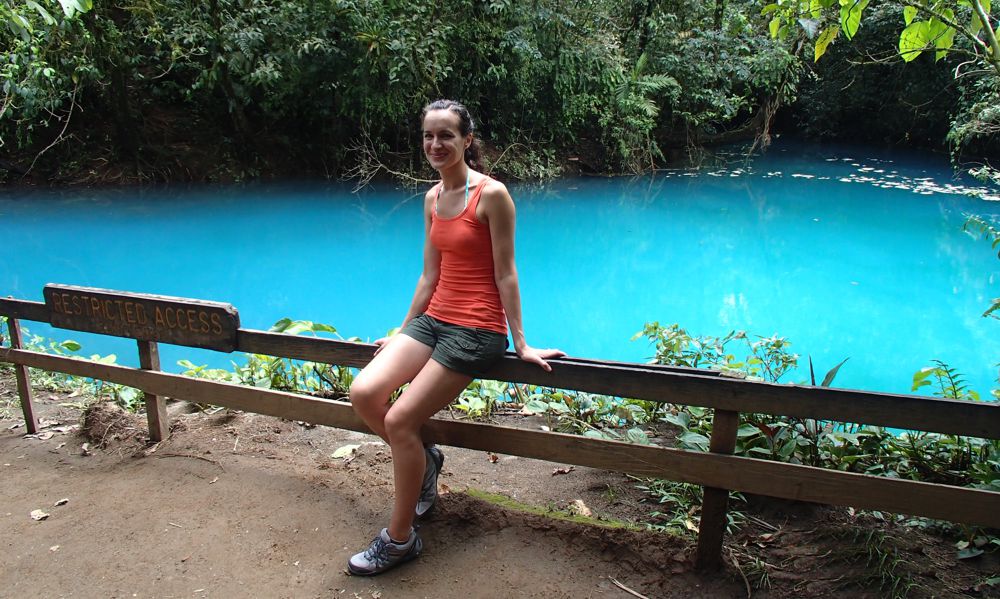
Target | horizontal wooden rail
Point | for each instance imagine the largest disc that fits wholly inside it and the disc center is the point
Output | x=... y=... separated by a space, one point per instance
x=775 y=479
x=24 y=309
x=667 y=384
x=685 y=386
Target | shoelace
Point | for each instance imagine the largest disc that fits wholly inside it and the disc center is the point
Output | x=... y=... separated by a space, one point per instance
x=378 y=552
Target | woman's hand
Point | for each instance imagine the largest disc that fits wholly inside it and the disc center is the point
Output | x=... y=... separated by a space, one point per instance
x=381 y=343
x=539 y=356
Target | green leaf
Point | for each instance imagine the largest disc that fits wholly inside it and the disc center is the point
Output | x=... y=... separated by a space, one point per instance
x=969 y=552
x=70 y=345
x=913 y=40
x=769 y=9
x=832 y=374
x=943 y=35
x=787 y=449
x=636 y=435
x=69 y=7
x=976 y=25
x=850 y=16
x=49 y=20
x=17 y=29
x=773 y=26
x=681 y=419
x=319 y=327
x=22 y=22
x=294 y=327
x=993 y=308
x=559 y=407
x=536 y=406
x=281 y=325
x=825 y=38
x=909 y=12
x=815 y=9
x=694 y=439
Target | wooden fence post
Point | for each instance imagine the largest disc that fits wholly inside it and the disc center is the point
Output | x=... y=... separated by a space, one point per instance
x=23 y=379
x=156 y=406
x=715 y=502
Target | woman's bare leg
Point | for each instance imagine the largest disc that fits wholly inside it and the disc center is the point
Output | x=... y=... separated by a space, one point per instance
x=399 y=361
x=433 y=388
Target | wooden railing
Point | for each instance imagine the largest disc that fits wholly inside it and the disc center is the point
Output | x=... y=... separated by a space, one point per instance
x=718 y=471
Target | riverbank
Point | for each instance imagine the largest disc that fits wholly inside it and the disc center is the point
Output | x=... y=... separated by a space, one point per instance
x=235 y=501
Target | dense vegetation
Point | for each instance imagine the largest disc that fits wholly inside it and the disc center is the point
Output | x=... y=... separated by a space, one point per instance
x=165 y=90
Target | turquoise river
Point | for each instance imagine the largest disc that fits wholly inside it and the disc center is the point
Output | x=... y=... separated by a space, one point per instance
x=846 y=252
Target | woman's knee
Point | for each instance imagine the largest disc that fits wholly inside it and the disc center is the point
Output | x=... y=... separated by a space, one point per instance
x=399 y=424
x=366 y=396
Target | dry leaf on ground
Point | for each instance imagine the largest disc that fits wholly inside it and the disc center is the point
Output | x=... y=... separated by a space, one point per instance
x=580 y=508
x=345 y=451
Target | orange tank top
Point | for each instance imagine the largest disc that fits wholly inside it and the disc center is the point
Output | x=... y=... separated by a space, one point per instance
x=466 y=293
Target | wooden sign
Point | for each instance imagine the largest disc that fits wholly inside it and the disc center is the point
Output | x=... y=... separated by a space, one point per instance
x=177 y=320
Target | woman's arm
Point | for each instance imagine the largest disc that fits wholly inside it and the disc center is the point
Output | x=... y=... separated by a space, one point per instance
x=500 y=215
x=432 y=267
x=428 y=277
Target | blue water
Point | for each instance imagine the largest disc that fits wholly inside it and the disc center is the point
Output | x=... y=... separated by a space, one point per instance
x=846 y=252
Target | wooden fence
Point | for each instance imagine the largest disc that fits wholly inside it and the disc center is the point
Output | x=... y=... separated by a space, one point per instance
x=196 y=323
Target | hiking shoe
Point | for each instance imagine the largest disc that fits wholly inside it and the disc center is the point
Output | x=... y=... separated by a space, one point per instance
x=429 y=491
x=383 y=554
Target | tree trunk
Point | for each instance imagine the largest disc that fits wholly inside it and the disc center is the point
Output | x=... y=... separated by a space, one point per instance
x=644 y=31
x=241 y=125
x=126 y=129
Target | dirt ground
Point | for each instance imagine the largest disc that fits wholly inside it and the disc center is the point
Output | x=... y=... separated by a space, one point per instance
x=242 y=505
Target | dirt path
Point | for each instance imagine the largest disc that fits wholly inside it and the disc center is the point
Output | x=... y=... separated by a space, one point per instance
x=242 y=505
x=250 y=506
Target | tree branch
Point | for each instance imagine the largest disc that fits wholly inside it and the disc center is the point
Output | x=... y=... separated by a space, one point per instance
x=59 y=138
x=991 y=35
x=960 y=29
x=368 y=164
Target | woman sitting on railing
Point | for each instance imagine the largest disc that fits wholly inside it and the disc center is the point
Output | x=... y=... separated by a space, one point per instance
x=455 y=330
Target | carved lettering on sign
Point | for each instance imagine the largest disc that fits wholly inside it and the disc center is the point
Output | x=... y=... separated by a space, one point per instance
x=177 y=320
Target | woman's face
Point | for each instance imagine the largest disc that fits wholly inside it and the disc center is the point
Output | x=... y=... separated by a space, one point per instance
x=444 y=145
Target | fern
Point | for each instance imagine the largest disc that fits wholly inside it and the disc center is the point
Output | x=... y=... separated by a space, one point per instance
x=951 y=384
x=979 y=225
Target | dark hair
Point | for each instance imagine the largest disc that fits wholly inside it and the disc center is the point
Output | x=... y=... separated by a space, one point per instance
x=466 y=126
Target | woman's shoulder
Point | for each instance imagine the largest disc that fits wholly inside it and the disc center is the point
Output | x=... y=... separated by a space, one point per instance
x=494 y=189
x=431 y=194
x=495 y=201
x=432 y=191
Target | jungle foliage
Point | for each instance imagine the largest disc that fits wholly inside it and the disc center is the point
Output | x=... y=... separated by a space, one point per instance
x=166 y=90
x=895 y=64
x=224 y=89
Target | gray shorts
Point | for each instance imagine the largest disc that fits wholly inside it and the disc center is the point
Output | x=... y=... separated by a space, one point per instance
x=470 y=351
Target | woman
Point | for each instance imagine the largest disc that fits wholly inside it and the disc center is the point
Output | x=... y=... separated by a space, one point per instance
x=455 y=330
